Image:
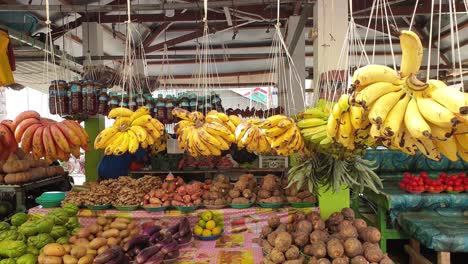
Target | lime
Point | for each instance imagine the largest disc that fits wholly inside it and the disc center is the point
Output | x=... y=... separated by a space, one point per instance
x=206 y=233
x=210 y=225
x=207 y=216
x=216 y=231
x=202 y=223
x=198 y=230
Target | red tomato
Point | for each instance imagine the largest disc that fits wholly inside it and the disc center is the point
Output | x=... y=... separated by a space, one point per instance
x=423 y=174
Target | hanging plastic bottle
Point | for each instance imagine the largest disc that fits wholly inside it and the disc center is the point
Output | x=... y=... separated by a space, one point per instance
x=103 y=102
x=53 y=91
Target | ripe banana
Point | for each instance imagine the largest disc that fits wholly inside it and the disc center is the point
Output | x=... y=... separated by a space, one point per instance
x=133 y=143
x=414 y=84
x=27 y=139
x=448 y=148
x=143 y=110
x=23 y=125
x=123 y=146
x=412 y=52
x=235 y=120
x=310 y=122
x=142 y=120
x=59 y=139
x=449 y=97
x=415 y=122
x=272 y=121
x=395 y=118
x=119 y=112
x=104 y=137
x=71 y=136
x=380 y=109
x=436 y=113
x=371 y=74
x=140 y=133
x=371 y=93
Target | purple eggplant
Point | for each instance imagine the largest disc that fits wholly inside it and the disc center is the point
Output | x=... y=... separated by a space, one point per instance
x=172 y=255
x=184 y=239
x=156 y=258
x=137 y=241
x=172 y=246
x=116 y=260
x=125 y=260
x=173 y=229
x=146 y=253
x=184 y=226
x=156 y=237
x=108 y=255
x=150 y=230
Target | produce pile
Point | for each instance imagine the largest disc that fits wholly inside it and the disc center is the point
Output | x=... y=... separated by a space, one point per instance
x=162 y=196
x=271 y=191
x=21 y=168
x=341 y=239
x=122 y=191
x=244 y=191
x=422 y=183
x=49 y=139
x=8 y=143
x=293 y=195
x=188 y=194
x=251 y=136
x=201 y=135
x=209 y=224
x=25 y=236
x=217 y=192
x=89 y=243
x=129 y=131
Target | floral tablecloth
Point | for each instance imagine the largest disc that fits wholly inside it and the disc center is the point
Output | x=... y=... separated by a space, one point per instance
x=237 y=246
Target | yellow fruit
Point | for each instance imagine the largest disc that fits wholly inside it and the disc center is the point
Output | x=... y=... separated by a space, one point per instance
x=202 y=223
x=210 y=225
x=216 y=231
x=198 y=230
x=207 y=216
x=206 y=233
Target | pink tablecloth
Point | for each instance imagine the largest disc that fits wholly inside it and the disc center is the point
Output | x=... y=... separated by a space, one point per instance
x=237 y=246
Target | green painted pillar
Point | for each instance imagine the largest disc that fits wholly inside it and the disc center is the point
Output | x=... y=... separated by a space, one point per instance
x=93 y=125
x=330 y=202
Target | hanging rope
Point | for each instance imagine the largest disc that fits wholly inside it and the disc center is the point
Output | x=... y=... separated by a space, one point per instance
x=430 y=43
x=414 y=14
x=438 y=38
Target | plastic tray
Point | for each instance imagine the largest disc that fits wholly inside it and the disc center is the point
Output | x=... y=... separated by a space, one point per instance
x=126 y=207
x=241 y=206
x=98 y=207
x=186 y=209
x=215 y=206
x=155 y=208
x=302 y=205
x=270 y=205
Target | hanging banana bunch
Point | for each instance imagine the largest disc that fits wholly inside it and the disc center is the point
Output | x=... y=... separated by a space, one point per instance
x=129 y=131
x=251 y=136
x=204 y=136
x=283 y=135
x=407 y=114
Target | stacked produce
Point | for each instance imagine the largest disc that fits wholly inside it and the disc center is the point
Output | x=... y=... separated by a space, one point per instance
x=8 y=143
x=188 y=195
x=129 y=131
x=283 y=135
x=408 y=114
x=218 y=192
x=26 y=237
x=422 y=183
x=209 y=223
x=270 y=191
x=279 y=244
x=21 y=168
x=204 y=136
x=107 y=191
x=49 y=139
x=251 y=136
x=340 y=239
x=301 y=195
x=163 y=195
x=244 y=191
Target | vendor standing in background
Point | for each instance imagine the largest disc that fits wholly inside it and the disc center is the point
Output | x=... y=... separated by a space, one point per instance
x=112 y=167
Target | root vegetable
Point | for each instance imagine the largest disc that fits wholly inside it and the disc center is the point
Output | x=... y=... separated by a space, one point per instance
x=335 y=219
x=274 y=221
x=323 y=261
x=386 y=260
x=348 y=214
x=300 y=260
x=263 y=194
x=88 y=259
x=281 y=228
x=240 y=200
x=277 y=256
x=370 y=234
x=266 y=230
x=318 y=225
x=353 y=247
x=313 y=216
x=359 y=260
x=369 y=244
x=298 y=216
x=342 y=260
x=111 y=233
x=283 y=241
x=373 y=254
x=301 y=238
x=335 y=248
x=304 y=226
x=271 y=238
x=318 y=249
x=266 y=246
x=78 y=251
x=67 y=259
x=97 y=243
x=52 y=260
x=359 y=224
x=348 y=231
x=318 y=235
x=54 y=249
x=292 y=253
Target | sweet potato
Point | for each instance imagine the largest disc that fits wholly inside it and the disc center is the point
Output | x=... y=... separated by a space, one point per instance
x=301 y=238
x=359 y=260
x=240 y=200
x=292 y=253
x=348 y=214
x=342 y=260
x=370 y=234
x=335 y=248
x=234 y=193
x=283 y=241
x=274 y=221
x=293 y=199
x=263 y=194
x=352 y=247
x=373 y=254
x=277 y=256
x=359 y=224
x=304 y=226
x=318 y=235
x=270 y=182
x=318 y=249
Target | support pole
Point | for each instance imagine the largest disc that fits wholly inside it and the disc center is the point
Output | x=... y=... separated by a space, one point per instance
x=331 y=22
x=92 y=42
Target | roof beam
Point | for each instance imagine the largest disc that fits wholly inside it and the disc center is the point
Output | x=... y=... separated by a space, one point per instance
x=405 y=10
x=306 y=11
x=155 y=33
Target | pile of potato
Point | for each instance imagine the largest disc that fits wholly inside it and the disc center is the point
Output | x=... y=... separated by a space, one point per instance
x=244 y=190
x=218 y=191
x=293 y=195
x=271 y=190
x=21 y=168
x=341 y=239
x=84 y=246
x=188 y=194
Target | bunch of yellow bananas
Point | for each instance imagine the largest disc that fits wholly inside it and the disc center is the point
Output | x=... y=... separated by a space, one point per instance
x=283 y=135
x=408 y=114
x=204 y=136
x=160 y=144
x=129 y=131
x=249 y=135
